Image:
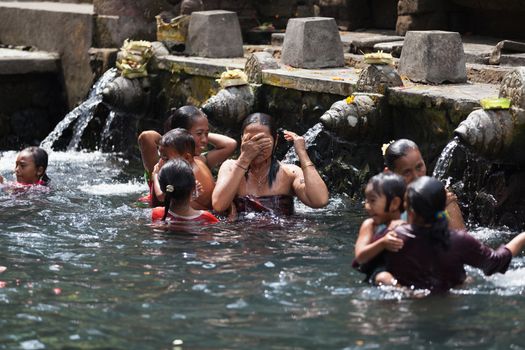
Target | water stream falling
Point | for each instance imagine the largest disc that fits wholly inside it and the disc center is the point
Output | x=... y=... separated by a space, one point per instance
x=104 y=136
x=83 y=113
x=445 y=159
x=309 y=138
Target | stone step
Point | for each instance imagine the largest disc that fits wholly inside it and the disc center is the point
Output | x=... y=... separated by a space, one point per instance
x=64 y=28
x=14 y=61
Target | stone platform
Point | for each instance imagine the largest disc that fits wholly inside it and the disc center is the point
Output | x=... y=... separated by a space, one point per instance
x=23 y=62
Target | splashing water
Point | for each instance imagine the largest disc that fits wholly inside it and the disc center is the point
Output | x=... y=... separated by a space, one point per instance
x=309 y=137
x=445 y=159
x=84 y=113
x=104 y=136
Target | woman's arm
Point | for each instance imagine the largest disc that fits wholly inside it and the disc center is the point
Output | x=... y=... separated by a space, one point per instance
x=307 y=184
x=516 y=244
x=148 y=141
x=224 y=147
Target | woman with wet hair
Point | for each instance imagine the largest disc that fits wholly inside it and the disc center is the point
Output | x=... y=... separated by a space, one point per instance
x=432 y=255
x=404 y=158
x=258 y=182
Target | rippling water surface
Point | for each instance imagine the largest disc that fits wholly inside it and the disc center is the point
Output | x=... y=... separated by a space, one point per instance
x=84 y=270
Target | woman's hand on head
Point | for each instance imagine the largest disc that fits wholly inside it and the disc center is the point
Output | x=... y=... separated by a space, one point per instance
x=298 y=141
x=252 y=146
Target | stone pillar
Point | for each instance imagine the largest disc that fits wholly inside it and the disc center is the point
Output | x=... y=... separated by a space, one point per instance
x=312 y=42
x=256 y=63
x=214 y=34
x=433 y=57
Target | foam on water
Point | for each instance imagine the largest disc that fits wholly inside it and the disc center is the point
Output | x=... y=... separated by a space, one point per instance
x=114 y=189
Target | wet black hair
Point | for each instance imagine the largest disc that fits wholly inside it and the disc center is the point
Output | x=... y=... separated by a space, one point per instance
x=396 y=150
x=391 y=185
x=178 y=174
x=267 y=120
x=41 y=159
x=180 y=140
x=183 y=117
x=427 y=197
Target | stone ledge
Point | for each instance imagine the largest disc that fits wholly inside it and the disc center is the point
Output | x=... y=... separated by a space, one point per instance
x=50 y=6
x=24 y=62
x=206 y=67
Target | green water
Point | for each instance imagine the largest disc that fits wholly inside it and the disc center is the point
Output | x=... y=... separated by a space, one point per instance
x=85 y=271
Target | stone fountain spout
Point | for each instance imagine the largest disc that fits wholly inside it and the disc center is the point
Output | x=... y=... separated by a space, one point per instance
x=127 y=95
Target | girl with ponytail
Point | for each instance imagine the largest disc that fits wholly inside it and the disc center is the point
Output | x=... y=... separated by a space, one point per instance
x=433 y=256
x=177 y=181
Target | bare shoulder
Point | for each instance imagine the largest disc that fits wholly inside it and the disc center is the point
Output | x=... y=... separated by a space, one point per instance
x=291 y=170
x=368 y=224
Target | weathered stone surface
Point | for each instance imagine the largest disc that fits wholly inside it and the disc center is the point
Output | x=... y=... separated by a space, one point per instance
x=513 y=87
x=433 y=57
x=256 y=63
x=63 y=28
x=394 y=47
x=377 y=78
x=421 y=21
x=312 y=43
x=214 y=34
x=22 y=62
x=407 y=7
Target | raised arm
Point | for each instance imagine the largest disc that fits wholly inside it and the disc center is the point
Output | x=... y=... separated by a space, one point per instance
x=157 y=192
x=308 y=184
x=455 y=221
x=224 y=147
x=148 y=141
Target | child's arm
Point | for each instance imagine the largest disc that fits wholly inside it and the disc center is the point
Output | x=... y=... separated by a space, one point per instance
x=155 y=179
x=224 y=147
x=456 y=221
x=1 y=179
x=366 y=251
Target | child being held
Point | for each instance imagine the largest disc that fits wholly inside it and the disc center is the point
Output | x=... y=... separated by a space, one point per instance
x=30 y=168
x=384 y=195
x=177 y=181
x=178 y=143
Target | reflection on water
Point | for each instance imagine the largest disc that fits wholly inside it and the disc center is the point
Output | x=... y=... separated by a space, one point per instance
x=83 y=269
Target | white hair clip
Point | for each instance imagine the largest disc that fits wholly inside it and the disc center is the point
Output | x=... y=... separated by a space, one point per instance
x=169 y=188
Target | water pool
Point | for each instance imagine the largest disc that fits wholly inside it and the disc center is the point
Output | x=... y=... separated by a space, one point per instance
x=84 y=270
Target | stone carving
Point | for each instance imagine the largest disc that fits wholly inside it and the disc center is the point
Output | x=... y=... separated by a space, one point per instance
x=127 y=95
x=256 y=63
x=230 y=105
x=495 y=134
x=513 y=87
x=352 y=116
x=377 y=78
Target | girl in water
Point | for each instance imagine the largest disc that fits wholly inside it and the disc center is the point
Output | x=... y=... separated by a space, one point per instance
x=177 y=181
x=384 y=195
x=30 y=168
x=196 y=123
x=404 y=158
x=257 y=181
x=433 y=256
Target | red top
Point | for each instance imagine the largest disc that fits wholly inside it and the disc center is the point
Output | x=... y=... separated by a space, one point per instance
x=204 y=216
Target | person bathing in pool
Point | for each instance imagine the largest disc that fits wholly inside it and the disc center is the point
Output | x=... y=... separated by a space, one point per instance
x=30 y=168
x=433 y=256
x=257 y=181
x=384 y=196
x=404 y=158
x=196 y=123
x=177 y=181
x=178 y=143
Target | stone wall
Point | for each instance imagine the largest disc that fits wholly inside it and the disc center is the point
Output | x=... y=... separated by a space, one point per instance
x=39 y=105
